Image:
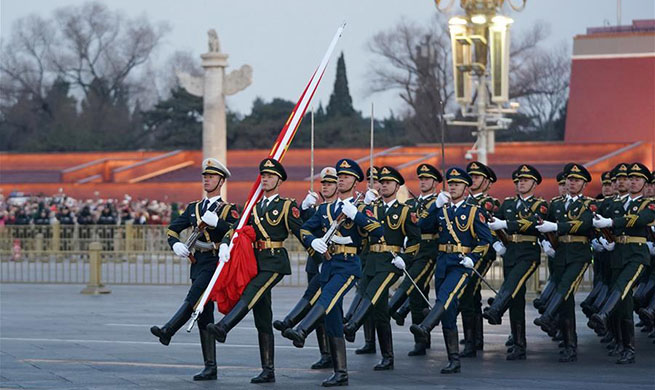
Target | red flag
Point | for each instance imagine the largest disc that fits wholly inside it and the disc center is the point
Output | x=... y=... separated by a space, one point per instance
x=237 y=272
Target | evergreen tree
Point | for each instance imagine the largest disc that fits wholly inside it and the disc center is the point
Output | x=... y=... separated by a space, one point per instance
x=174 y=123
x=340 y=104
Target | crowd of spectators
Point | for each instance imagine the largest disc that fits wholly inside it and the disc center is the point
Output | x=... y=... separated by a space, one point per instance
x=17 y=209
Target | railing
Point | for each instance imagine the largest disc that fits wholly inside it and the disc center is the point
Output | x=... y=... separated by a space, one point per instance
x=137 y=255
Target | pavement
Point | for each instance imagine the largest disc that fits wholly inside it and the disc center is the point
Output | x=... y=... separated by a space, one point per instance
x=53 y=337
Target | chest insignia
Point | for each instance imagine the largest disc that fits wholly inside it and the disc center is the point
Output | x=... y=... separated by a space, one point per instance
x=395 y=216
x=275 y=212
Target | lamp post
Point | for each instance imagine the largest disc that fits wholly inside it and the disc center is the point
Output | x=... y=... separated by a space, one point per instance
x=480 y=44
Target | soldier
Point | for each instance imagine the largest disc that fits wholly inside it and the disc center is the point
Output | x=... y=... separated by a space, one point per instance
x=385 y=261
x=561 y=184
x=470 y=298
x=219 y=217
x=421 y=268
x=313 y=291
x=629 y=228
x=572 y=223
x=341 y=268
x=518 y=216
x=463 y=239
x=372 y=196
x=273 y=219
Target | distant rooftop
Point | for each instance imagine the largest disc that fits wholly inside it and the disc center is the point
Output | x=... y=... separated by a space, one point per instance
x=643 y=25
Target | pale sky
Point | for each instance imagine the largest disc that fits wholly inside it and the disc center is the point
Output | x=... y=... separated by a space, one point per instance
x=284 y=40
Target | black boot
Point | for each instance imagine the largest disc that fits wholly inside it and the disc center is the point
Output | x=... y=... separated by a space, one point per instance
x=647 y=314
x=628 y=334
x=338 y=352
x=420 y=347
x=452 y=348
x=305 y=327
x=178 y=320
x=386 y=346
x=358 y=318
x=600 y=299
x=229 y=321
x=598 y=321
x=542 y=300
x=479 y=332
x=369 y=338
x=589 y=300
x=570 y=353
x=353 y=307
x=616 y=346
x=324 y=347
x=422 y=331
x=510 y=341
x=468 y=325
x=494 y=313
x=518 y=335
x=294 y=316
x=547 y=321
x=400 y=314
x=266 y=355
x=208 y=346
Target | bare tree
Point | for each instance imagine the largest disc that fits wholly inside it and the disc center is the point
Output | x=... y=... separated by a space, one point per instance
x=79 y=44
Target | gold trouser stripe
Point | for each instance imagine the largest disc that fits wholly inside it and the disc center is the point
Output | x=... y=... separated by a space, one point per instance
x=261 y=290
x=455 y=290
x=629 y=285
x=315 y=297
x=576 y=282
x=483 y=273
x=339 y=293
x=382 y=287
x=418 y=277
x=524 y=278
x=433 y=265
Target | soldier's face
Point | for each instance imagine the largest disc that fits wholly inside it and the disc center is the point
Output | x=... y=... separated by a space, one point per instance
x=328 y=189
x=622 y=184
x=345 y=182
x=388 y=188
x=562 y=188
x=456 y=189
x=607 y=190
x=478 y=182
x=574 y=185
x=210 y=183
x=269 y=181
x=426 y=184
x=525 y=185
x=650 y=190
x=637 y=184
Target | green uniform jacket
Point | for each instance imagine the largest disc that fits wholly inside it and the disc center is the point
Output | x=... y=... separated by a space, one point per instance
x=639 y=214
x=399 y=222
x=576 y=221
x=522 y=218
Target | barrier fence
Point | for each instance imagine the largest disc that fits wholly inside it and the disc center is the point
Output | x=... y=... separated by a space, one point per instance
x=137 y=255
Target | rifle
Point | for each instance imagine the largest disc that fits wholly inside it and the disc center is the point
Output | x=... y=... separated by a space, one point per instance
x=501 y=234
x=550 y=236
x=335 y=226
x=197 y=231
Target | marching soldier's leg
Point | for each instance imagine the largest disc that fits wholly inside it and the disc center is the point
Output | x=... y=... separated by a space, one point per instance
x=369 y=323
x=647 y=314
x=568 y=281
x=183 y=314
x=305 y=303
x=540 y=302
x=254 y=291
x=516 y=278
x=569 y=334
x=449 y=320
x=621 y=290
x=263 y=315
x=324 y=348
x=517 y=324
x=207 y=344
x=374 y=289
x=467 y=310
x=383 y=326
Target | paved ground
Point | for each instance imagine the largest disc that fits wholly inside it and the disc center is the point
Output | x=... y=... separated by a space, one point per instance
x=52 y=337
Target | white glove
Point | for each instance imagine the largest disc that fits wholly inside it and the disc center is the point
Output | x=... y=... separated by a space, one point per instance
x=547 y=226
x=651 y=248
x=210 y=218
x=609 y=246
x=398 y=262
x=499 y=248
x=497 y=224
x=309 y=201
x=223 y=253
x=319 y=245
x=349 y=209
x=467 y=262
x=371 y=196
x=548 y=249
x=602 y=222
x=598 y=247
x=181 y=250
x=340 y=240
x=442 y=199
